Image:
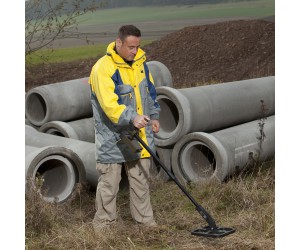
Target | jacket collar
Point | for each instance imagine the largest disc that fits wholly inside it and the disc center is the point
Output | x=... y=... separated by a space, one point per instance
x=139 y=58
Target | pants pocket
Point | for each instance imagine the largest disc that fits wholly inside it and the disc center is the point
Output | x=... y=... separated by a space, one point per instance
x=102 y=168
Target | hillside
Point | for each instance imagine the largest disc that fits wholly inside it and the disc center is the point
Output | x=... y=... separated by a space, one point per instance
x=221 y=52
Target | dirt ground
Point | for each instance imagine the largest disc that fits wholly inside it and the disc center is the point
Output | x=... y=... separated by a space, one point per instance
x=203 y=54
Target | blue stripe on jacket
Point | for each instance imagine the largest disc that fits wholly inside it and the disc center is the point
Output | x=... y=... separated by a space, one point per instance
x=151 y=87
x=118 y=81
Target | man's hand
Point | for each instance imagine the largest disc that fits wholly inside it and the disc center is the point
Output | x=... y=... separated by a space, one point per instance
x=155 y=126
x=141 y=121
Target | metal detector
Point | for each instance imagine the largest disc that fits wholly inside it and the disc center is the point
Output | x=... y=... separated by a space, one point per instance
x=208 y=231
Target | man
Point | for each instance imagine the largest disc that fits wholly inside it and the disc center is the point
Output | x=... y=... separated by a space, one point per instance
x=123 y=93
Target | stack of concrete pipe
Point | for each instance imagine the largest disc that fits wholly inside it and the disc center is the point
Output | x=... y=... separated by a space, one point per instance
x=198 y=138
x=208 y=109
x=59 y=136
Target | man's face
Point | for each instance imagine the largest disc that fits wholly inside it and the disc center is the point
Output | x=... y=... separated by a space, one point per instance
x=129 y=47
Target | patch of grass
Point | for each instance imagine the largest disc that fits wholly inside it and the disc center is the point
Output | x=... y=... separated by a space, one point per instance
x=69 y=54
x=245 y=202
x=66 y=54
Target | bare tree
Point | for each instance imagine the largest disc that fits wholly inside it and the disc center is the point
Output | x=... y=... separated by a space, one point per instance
x=47 y=21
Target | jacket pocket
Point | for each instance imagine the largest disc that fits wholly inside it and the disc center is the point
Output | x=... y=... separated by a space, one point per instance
x=127 y=94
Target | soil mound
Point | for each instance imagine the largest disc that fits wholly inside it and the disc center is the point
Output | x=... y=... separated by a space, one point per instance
x=196 y=55
x=222 y=52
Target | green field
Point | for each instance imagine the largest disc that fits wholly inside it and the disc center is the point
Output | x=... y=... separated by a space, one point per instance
x=152 y=20
x=70 y=54
x=259 y=8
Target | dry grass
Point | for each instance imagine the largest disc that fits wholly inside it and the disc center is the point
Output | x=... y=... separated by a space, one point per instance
x=245 y=202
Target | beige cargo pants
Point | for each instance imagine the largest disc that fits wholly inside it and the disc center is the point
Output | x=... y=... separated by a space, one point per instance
x=108 y=187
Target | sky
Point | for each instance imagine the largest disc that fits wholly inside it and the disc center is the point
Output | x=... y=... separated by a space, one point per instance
x=13 y=113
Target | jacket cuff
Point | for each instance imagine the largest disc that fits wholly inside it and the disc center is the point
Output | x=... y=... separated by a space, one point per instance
x=127 y=116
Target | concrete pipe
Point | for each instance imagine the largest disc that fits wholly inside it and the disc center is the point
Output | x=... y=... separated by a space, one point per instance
x=199 y=156
x=160 y=73
x=60 y=169
x=63 y=101
x=82 y=129
x=212 y=107
x=85 y=150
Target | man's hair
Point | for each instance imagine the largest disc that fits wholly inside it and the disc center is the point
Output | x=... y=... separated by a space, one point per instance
x=128 y=30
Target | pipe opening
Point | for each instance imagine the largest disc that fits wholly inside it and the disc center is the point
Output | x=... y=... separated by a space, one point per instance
x=168 y=119
x=36 y=107
x=53 y=131
x=57 y=178
x=197 y=161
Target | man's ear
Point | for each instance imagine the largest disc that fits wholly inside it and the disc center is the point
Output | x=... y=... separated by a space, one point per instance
x=118 y=43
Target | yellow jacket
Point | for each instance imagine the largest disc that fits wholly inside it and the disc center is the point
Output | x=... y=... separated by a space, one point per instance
x=118 y=93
